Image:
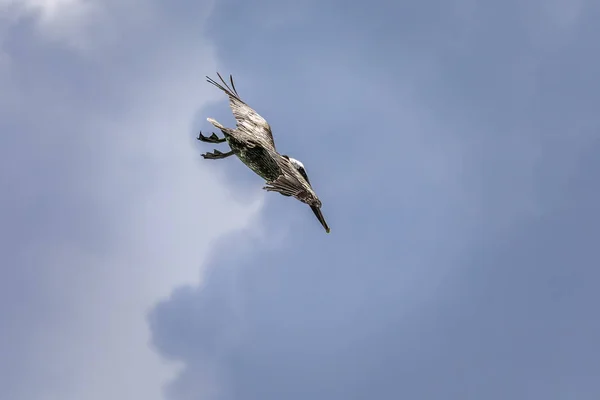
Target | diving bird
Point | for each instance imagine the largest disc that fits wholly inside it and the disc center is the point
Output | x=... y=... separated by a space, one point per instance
x=252 y=142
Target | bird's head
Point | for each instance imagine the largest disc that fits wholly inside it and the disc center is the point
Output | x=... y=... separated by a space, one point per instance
x=312 y=201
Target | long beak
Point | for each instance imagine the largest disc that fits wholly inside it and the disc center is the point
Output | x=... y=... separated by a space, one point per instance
x=320 y=217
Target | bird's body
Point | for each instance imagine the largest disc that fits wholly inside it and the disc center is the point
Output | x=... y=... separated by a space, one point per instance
x=252 y=142
x=259 y=159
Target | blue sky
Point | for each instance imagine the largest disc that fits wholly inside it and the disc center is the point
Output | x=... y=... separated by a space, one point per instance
x=454 y=145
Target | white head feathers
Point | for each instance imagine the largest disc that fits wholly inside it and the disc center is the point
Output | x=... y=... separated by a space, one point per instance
x=297 y=164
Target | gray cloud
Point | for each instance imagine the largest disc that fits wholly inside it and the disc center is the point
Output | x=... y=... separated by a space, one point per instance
x=105 y=206
x=453 y=146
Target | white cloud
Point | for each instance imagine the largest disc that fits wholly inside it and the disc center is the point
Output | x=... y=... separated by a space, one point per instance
x=126 y=157
x=63 y=20
x=49 y=9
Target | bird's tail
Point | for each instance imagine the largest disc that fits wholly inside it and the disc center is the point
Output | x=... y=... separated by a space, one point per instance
x=216 y=123
x=226 y=131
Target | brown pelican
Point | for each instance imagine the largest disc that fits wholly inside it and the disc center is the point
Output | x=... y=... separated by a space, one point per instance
x=252 y=142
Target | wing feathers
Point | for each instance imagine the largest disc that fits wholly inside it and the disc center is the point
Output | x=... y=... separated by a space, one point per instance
x=291 y=183
x=249 y=122
x=284 y=185
x=225 y=87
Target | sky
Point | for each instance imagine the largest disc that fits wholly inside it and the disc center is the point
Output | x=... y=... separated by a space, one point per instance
x=454 y=145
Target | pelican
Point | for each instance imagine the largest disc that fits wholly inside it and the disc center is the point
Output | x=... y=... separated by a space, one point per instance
x=252 y=142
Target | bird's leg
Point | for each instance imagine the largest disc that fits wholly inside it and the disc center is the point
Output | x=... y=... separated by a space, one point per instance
x=216 y=155
x=210 y=139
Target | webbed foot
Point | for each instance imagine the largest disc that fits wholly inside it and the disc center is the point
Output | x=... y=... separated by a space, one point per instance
x=210 y=139
x=216 y=155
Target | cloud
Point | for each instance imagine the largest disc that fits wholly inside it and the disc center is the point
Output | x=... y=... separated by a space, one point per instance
x=106 y=204
x=454 y=173
x=66 y=21
x=455 y=158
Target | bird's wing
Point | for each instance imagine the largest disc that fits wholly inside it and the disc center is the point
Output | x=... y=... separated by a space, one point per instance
x=290 y=182
x=248 y=121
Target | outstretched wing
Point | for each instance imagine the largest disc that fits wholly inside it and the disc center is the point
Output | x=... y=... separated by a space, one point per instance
x=248 y=121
